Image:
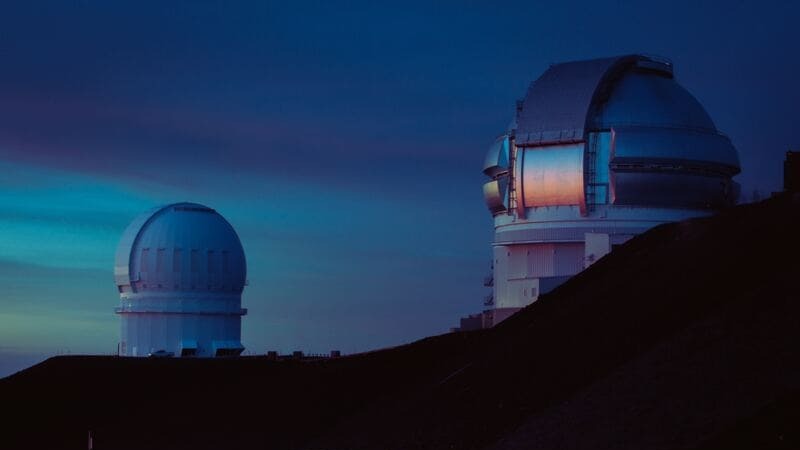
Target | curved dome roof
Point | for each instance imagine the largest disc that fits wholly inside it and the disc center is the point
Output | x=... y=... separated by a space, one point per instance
x=631 y=92
x=180 y=247
x=648 y=99
x=614 y=131
x=557 y=103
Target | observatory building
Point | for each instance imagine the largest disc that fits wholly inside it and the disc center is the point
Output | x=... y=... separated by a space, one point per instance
x=599 y=151
x=180 y=270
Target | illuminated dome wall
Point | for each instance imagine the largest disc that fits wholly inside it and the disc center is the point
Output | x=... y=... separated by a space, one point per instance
x=599 y=151
x=180 y=271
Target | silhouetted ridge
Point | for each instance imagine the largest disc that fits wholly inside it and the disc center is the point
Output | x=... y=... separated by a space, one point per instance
x=684 y=337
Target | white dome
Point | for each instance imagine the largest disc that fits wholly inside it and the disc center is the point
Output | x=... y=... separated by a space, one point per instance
x=183 y=247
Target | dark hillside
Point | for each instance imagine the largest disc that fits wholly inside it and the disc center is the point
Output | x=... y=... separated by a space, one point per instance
x=685 y=337
x=663 y=344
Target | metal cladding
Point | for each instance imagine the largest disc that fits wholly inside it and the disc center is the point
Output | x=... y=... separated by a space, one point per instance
x=553 y=176
x=497 y=159
x=599 y=151
x=494 y=192
x=180 y=270
x=557 y=103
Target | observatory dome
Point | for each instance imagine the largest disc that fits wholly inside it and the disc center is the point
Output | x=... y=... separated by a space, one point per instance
x=598 y=152
x=180 y=247
x=180 y=271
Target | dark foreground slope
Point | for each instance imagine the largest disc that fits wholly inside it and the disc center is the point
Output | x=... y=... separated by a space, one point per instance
x=686 y=337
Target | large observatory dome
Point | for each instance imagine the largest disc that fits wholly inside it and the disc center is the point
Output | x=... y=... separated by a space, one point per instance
x=612 y=131
x=180 y=270
x=180 y=247
x=599 y=151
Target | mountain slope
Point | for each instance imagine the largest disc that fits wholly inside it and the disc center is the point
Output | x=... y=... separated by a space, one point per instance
x=684 y=337
x=703 y=301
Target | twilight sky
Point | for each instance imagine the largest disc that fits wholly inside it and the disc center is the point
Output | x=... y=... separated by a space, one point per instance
x=343 y=141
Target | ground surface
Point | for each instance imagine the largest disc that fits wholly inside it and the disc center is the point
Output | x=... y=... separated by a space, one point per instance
x=686 y=337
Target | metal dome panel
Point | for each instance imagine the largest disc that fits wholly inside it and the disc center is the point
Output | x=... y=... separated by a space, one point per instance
x=497 y=159
x=677 y=147
x=552 y=175
x=122 y=258
x=669 y=189
x=494 y=194
x=557 y=103
x=644 y=99
x=180 y=247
